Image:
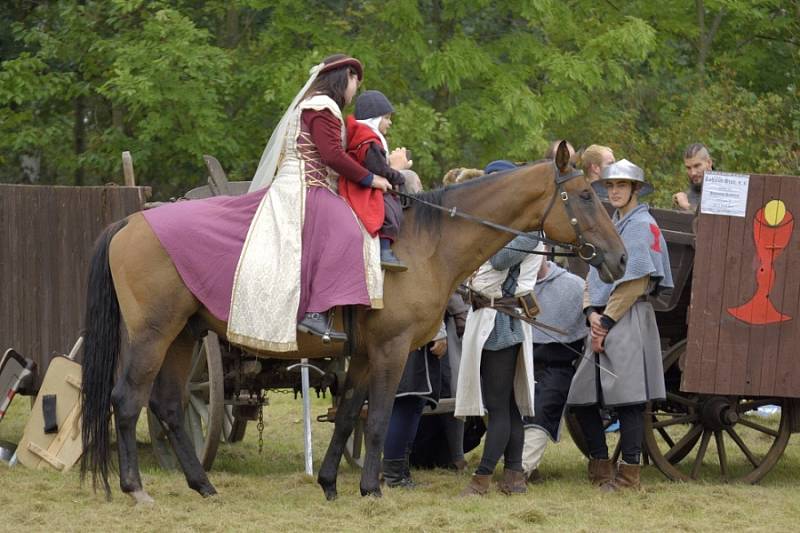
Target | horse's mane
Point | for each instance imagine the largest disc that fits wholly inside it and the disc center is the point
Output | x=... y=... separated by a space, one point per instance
x=430 y=219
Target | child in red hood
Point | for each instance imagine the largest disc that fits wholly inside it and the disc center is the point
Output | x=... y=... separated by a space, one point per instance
x=380 y=212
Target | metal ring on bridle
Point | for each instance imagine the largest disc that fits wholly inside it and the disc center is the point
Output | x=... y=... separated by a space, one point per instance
x=590 y=246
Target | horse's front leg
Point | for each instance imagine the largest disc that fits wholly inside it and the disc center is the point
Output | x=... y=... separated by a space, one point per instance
x=386 y=368
x=348 y=410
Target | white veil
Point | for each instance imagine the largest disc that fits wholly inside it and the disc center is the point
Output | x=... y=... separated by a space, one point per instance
x=268 y=165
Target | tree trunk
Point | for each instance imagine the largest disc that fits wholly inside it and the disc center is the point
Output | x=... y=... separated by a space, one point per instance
x=705 y=38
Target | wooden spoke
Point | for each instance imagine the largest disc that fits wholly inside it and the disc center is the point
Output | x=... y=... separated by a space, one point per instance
x=199 y=407
x=677 y=398
x=198 y=363
x=758 y=427
x=723 y=457
x=690 y=435
x=199 y=386
x=750 y=405
x=742 y=446
x=677 y=419
x=666 y=437
x=701 y=452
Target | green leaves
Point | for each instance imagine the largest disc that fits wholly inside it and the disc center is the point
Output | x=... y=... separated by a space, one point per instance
x=81 y=81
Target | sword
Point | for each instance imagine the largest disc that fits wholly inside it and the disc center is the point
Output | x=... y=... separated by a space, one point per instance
x=539 y=326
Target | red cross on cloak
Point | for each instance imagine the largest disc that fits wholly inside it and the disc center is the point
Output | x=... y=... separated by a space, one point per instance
x=656 y=247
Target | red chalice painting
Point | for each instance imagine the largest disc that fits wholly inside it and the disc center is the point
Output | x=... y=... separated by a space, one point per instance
x=772 y=229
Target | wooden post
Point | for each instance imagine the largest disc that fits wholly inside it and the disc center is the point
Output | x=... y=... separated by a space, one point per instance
x=127 y=169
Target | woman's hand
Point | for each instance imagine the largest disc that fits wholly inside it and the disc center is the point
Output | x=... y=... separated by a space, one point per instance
x=399 y=160
x=379 y=182
x=439 y=348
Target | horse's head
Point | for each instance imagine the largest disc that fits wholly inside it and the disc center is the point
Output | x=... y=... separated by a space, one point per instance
x=575 y=215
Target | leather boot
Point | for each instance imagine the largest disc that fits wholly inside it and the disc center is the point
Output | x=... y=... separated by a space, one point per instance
x=627 y=478
x=460 y=465
x=513 y=482
x=478 y=485
x=390 y=262
x=317 y=324
x=535 y=477
x=394 y=474
x=601 y=471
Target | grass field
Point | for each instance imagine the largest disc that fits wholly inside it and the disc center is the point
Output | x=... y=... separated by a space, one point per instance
x=269 y=492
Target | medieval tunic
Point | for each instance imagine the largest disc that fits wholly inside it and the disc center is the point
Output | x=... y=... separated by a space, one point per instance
x=483 y=325
x=632 y=346
x=305 y=250
x=560 y=297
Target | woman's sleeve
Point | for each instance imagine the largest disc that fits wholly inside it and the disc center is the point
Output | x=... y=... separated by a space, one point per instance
x=326 y=134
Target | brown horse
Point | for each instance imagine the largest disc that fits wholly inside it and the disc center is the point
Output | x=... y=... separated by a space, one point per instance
x=146 y=356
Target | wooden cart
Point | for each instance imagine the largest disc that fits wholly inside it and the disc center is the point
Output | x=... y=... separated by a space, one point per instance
x=722 y=371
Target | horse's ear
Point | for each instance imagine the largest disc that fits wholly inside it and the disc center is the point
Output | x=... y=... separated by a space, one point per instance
x=562 y=156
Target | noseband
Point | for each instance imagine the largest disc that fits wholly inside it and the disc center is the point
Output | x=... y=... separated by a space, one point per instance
x=583 y=248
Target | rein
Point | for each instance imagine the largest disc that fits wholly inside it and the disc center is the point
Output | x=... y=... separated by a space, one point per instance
x=583 y=249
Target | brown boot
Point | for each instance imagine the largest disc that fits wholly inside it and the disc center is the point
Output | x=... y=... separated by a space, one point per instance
x=513 y=482
x=535 y=477
x=460 y=465
x=478 y=485
x=601 y=471
x=627 y=478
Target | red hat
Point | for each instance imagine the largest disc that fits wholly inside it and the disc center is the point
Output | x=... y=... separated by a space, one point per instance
x=338 y=61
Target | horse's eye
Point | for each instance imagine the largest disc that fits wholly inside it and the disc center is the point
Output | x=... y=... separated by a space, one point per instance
x=586 y=195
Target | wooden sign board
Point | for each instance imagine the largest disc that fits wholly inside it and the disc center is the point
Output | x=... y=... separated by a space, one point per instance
x=744 y=317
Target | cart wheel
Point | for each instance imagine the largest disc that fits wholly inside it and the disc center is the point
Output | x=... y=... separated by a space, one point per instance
x=233 y=428
x=205 y=409
x=575 y=431
x=745 y=446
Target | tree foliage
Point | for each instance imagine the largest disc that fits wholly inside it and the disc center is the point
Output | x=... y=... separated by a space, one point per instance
x=170 y=80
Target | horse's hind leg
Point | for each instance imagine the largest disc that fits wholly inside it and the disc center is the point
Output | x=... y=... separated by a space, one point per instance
x=140 y=361
x=353 y=396
x=167 y=401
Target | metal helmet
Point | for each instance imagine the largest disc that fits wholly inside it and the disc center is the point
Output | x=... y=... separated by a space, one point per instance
x=623 y=170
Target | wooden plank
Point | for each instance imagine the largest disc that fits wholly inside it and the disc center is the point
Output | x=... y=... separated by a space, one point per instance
x=732 y=345
x=691 y=379
x=127 y=169
x=46 y=238
x=787 y=371
x=769 y=347
x=710 y=317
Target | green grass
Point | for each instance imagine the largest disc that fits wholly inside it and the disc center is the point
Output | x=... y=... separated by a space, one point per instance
x=269 y=492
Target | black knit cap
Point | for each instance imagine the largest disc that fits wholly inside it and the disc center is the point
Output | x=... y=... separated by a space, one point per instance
x=371 y=104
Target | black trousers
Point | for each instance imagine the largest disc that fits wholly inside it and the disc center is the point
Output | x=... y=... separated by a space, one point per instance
x=504 y=435
x=631 y=431
x=392 y=219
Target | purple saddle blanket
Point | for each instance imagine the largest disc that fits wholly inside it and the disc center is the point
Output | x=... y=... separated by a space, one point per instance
x=204 y=238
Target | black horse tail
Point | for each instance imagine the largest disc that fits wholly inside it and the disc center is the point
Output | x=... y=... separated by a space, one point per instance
x=100 y=353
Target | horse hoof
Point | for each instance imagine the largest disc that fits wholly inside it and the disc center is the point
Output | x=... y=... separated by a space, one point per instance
x=330 y=494
x=375 y=493
x=208 y=493
x=141 y=498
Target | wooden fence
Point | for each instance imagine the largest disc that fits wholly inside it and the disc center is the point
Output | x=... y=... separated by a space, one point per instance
x=744 y=320
x=46 y=239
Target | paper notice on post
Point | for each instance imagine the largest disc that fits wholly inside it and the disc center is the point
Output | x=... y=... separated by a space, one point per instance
x=724 y=194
